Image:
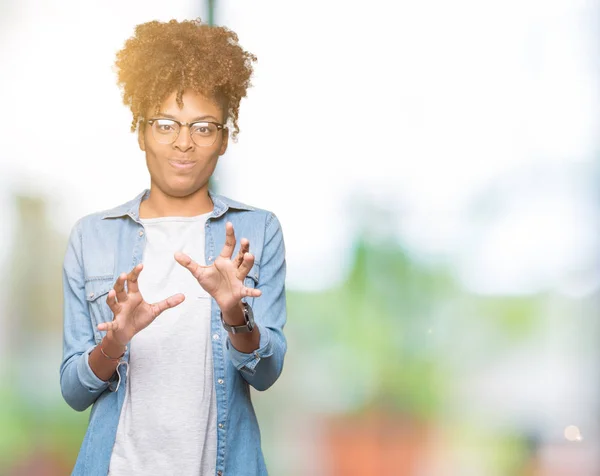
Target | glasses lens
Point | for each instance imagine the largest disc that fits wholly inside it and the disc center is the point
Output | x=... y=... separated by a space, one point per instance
x=204 y=133
x=165 y=131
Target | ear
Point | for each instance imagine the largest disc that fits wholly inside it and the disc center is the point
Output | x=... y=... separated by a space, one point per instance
x=141 y=137
x=224 y=142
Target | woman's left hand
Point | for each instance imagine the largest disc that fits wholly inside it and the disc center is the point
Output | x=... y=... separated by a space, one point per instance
x=224 y=279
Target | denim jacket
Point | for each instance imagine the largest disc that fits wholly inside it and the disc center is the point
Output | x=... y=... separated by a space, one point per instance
x=105 y=244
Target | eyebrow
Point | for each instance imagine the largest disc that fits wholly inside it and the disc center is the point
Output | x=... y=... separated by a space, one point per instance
x=199 y=118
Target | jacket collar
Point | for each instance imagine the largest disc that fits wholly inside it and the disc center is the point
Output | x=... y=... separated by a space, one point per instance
x=132 y=207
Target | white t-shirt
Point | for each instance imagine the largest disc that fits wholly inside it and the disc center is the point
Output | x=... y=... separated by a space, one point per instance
x=168 y=423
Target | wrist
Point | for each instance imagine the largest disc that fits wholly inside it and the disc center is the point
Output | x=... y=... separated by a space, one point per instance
x=234 y=315
x=111 y=346
x=241 y=325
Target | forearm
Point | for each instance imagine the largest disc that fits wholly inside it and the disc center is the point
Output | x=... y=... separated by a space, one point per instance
x=104 y=367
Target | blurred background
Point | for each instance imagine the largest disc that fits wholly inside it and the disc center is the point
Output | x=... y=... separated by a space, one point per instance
x=442 y=321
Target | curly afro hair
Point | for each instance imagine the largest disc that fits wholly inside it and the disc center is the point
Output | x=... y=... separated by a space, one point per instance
x=174 y=56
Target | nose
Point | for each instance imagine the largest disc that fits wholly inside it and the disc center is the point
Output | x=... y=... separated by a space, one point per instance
x=184 y=140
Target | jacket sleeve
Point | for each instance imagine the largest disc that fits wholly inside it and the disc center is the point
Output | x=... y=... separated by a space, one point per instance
x=262 y=367
x=79 y=385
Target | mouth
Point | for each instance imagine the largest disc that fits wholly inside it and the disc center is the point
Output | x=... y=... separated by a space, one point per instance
x=182 y=164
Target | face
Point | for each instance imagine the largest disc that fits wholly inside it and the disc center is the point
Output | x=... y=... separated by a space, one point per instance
x=183 y=168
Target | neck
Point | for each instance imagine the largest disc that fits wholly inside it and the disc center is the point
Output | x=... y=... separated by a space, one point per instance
x=160 y=204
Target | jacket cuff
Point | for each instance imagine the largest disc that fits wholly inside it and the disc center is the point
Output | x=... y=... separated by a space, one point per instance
x=249 y=361
x=86 y=375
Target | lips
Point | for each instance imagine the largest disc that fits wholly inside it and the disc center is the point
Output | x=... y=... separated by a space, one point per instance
x=182 y=164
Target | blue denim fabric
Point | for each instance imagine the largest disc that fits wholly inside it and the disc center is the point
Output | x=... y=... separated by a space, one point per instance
x=102 y=246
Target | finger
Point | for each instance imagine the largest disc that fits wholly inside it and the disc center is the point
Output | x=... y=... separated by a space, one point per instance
x=115 y=307
x=132 y=279
x=119 y=287
x=251 y=292
x=187 y=262
x=245 y=267
x=244 y=248
x=229 y=245
x=161 y=306
x=109 y=326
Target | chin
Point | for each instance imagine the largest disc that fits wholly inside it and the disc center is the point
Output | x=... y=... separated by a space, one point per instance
x=181 y=190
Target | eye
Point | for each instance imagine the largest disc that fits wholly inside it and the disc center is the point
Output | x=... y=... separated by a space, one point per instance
x=165 y=126
x=203 y=128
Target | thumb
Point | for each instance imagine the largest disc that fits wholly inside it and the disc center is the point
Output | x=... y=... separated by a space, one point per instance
x=161 y=306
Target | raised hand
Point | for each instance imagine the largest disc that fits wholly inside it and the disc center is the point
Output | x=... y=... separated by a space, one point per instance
x=224 y=279
x=131 y=312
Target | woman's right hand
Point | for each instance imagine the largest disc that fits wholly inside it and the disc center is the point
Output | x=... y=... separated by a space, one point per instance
x=131 y=312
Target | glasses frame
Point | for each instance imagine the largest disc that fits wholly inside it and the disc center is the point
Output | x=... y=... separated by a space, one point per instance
x=189 y=125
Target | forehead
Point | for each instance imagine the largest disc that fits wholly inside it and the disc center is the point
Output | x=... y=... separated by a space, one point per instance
x=195 y=105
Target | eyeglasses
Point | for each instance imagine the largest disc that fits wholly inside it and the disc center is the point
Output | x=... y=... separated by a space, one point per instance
x=203 y=133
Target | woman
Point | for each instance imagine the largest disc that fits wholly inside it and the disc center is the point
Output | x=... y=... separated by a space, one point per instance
x=165 y=324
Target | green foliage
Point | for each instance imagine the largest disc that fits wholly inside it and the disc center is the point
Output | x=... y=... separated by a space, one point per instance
x=28 y=428
x=385 y=331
